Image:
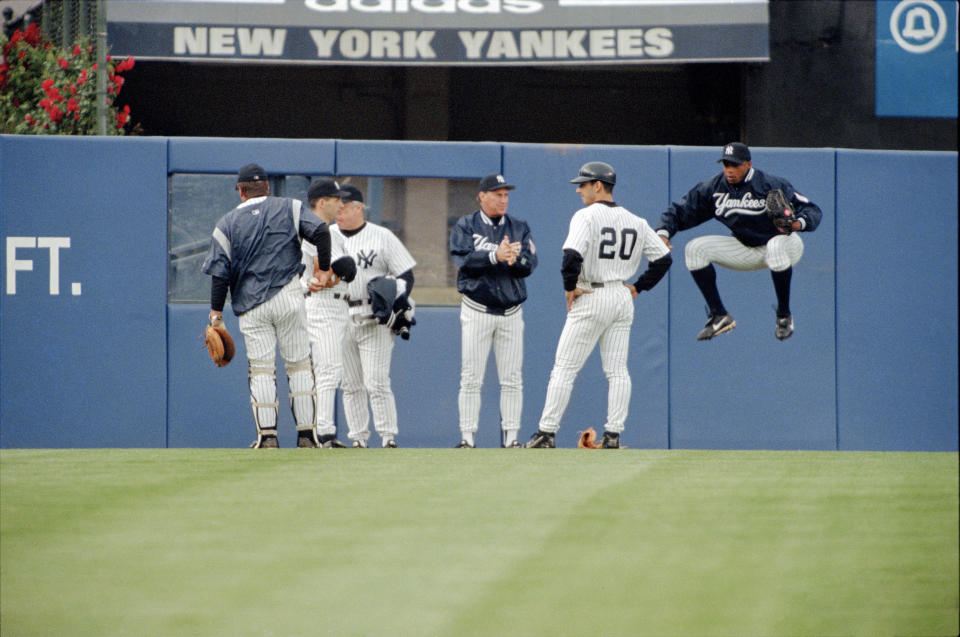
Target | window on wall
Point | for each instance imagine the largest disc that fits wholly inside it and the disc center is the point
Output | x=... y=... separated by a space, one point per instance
x=421 y=212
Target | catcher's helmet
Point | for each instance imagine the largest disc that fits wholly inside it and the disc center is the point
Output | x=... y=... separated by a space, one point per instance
x=596 y=171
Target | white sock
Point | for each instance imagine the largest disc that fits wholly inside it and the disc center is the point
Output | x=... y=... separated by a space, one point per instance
x=510 y=435
x=387 y=440
x=468 y=437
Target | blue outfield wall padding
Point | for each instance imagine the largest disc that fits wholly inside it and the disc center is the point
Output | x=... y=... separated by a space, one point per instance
x=746 y=389
x=84 y=363
x=277 y=156
x=450 y=160
x=897 y=300
x=547 y=200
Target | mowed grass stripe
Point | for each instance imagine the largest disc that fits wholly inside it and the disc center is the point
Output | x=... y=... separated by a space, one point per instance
x=746 y=543
x=445 y=542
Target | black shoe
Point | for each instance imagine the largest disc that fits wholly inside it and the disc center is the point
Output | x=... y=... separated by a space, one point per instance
x=307 y=439
x=716 y=325
x=541 y=440
x=266 y=439
x=513 y=445
x=611 y=440
x=464 y=445
x=329 y=441
x=359 y=444
x=390 y=444
x=784 y=327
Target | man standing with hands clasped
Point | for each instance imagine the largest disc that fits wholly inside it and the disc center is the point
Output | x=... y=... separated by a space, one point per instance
x=604 y=246
x=494 y=253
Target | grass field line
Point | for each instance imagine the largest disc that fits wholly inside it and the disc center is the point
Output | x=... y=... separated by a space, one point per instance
x=488 y=541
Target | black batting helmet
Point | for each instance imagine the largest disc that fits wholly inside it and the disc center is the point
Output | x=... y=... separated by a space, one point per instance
x=596 y=171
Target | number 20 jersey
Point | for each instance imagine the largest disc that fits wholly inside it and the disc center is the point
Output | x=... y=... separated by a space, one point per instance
x=612 y=241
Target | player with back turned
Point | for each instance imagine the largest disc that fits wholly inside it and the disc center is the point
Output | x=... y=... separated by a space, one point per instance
x=255 y=253
x=494 y=253
x=740 y=198
x=603 y=248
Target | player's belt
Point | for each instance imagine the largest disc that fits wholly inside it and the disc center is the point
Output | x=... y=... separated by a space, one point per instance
x=357 y=302
x=600 y=284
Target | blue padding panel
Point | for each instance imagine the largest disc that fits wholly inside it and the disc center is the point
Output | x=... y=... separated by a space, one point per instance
x=546 y=199
x=85 y=366
x=729 y=393
x=897 y=300
x=277 y=156
x=451 y=160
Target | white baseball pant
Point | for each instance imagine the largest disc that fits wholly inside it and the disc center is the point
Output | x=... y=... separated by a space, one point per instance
x=367 y=350
x=605 y=315
x=479 y=332
x=327 y=323
x=282 y=322
x=780 y=252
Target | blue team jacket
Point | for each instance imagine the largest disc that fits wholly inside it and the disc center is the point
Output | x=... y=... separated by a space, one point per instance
x=497 y=286
x=741 y=207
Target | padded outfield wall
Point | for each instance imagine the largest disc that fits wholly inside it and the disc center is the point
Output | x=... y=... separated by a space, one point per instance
x=92 y=354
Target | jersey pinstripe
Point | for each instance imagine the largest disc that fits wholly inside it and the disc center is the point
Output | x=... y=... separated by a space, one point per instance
x=367 y=345
x=326 y=323
x=612 y=241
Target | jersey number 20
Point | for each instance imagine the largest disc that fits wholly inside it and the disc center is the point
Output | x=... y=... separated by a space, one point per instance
x=608 y=243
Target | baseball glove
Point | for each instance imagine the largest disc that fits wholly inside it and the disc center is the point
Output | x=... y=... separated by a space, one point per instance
x=779 y=210
x=588 y=439
x=219 y=344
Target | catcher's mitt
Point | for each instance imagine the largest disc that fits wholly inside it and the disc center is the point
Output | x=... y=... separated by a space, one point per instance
x=779 y=210
x=588 y=439
x=219 y=344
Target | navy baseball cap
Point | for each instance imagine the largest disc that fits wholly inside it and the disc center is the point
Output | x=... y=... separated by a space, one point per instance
x=251 y=172
x=324 y=187
x=735 y=153
x=349 y=192
x=494 y=182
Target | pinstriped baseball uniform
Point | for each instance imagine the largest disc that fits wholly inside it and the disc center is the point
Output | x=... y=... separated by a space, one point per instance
x=367 y=345
x=612 y=242
x=256 y=248
x=491 y=315
x=326 y=322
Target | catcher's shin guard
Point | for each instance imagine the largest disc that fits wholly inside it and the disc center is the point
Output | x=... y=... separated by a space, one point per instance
x=263 y=387
x=303 y=394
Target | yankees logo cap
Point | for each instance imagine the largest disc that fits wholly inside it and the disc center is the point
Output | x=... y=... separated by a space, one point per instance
x=494 y=182
x=251 y=172
x=349 y=192
x=323 y=187
x=736 y=153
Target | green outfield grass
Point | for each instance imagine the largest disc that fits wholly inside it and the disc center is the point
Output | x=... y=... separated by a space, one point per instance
x=486 y=542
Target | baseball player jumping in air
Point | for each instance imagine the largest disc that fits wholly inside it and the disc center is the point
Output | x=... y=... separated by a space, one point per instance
x=368 y=345
x=604 y=246
x=494 y=253
x=327 y=308
x=737 y=198
x=255 y=253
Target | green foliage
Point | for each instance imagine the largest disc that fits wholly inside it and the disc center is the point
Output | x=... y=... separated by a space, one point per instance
x=46 y=90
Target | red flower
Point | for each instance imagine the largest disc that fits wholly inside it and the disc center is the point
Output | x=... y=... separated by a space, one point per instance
x=45 y=103
x=55 y=113
x=83 y=77
x=32 y=36
x=76 y=50
x=46 y=84
x=63 y=64
x=73 y=105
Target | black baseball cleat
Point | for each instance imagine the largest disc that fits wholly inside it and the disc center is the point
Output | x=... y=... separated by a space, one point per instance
x=513 y=445
x=329 y=441
x=266 y=440
x=390 y=444
x=784 y=327
x=359 y=444
x=464 y=445
x=541 y=440
x=307 y=439
x=716 y=325
x=611 y=440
